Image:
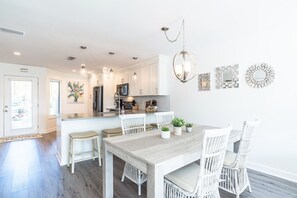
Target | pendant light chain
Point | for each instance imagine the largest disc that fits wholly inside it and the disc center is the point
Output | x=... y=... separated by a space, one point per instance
x=183 y=25
x=178 y=35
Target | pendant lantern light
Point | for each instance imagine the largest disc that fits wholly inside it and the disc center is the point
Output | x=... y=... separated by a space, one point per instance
x=184 y=64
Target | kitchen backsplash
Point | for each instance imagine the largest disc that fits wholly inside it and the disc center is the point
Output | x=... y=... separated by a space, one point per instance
x=163 y=102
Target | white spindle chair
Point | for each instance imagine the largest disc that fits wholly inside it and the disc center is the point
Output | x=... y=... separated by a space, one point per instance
x=234 y=173
x=133 y=123
x=201 y=181
x=164 y=118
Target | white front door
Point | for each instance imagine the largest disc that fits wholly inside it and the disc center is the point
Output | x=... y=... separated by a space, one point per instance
x=20 y=105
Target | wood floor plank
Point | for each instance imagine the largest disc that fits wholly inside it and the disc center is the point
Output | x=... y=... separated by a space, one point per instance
x=30 y=169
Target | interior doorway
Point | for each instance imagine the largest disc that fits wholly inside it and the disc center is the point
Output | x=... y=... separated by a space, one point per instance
x=20 y=105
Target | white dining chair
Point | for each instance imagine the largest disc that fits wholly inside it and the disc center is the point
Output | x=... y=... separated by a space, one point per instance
x=133 y=123
x=234 y=173
x=201 y=181
x=164 y=118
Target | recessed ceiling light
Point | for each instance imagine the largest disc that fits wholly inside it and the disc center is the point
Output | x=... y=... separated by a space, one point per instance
x=17 y=53
x=73 y=70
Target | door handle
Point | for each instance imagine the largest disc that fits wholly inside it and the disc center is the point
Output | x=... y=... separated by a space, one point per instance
x=5 y=110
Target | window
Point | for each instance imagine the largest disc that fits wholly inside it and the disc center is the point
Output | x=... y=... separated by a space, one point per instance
x=54 y=97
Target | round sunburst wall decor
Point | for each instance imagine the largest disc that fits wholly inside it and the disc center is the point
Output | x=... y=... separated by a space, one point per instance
x=259 y=75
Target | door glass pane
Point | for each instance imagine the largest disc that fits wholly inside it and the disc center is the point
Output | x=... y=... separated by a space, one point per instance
x=21 y=104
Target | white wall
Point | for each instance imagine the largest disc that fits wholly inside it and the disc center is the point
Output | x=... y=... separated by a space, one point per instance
x=269 y=37
x=44 y=75
x=14 y=70
x=66 y=107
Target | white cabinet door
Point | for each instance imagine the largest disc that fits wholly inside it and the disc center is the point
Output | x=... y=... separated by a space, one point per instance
x=122 y=78
x=132 y=83
x=138 y=82
x=154 y=75
x=139 y=86
x=145 y=80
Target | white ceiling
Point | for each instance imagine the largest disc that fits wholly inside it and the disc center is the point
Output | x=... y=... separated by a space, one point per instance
x=55 y=29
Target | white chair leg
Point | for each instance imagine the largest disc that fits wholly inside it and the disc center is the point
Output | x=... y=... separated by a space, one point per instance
x=139 y=189
x=73 y=161
x=139 y=184
x=69 y=147
x=123 y=176
x=236 y=184
x=249 y=188
x=248 y=180
x=93 y=149
x=99 y=150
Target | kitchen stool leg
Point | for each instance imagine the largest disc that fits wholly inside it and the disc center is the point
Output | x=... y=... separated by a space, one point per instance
x=99 y=150
x=93 y=149
x=69 y=153
x=73 y=160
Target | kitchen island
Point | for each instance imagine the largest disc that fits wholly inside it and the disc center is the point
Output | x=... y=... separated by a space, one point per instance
x=70 y=123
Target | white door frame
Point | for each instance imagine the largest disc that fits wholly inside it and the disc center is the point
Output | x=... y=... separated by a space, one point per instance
x=8 y=131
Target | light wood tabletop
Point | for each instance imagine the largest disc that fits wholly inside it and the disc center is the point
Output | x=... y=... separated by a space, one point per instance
x=155 y=156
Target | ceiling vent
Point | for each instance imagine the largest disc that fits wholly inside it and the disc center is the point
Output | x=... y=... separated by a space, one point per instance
x=7 y=30
x=70 y=58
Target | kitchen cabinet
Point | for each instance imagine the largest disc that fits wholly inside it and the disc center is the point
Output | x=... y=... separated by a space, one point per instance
x=154 y=75
x=141 y=85
x=158 y=77
x=145 y=81
x=151 y=77
x=132 y=83
x=122 y=77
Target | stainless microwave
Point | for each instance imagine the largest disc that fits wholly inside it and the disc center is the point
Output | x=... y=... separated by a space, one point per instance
x=123 y=89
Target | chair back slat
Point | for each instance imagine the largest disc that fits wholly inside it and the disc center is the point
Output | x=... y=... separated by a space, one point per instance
x=133 y=123
x=213 y=152
x=164 y=119
x=245 y=143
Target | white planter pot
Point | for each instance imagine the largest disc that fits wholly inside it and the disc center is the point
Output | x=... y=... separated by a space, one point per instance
x=189 y=129
x=177 y=130
x=165 y=135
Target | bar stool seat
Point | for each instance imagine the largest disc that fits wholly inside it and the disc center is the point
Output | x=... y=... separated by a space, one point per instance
x=83 y=136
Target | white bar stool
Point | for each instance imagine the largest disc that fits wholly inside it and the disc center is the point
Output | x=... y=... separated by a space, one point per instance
x=83 y=136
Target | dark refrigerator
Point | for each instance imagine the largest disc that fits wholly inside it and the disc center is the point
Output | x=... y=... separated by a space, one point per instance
x=98 y=99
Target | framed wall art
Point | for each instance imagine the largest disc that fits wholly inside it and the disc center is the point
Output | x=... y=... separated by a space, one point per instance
x=204 y=82
x=75 y=92
x=227 y=77
x=259 y=75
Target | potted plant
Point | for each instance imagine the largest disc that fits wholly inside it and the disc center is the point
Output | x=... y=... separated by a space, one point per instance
x=189 y=127
x=165 y=132
x=177 y=123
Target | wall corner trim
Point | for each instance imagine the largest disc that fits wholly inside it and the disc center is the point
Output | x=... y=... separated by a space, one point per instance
x=273 y=171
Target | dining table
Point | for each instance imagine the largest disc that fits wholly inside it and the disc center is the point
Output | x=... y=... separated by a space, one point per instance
x=155 y=156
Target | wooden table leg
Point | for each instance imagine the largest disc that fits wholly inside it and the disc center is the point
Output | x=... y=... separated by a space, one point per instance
x=107 y=173
x=155 y=182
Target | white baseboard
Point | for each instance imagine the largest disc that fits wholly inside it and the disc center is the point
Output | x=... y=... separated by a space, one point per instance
x=48 y=130
x=272 y=171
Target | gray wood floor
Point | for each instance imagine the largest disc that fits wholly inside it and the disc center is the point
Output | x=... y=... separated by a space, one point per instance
x=30 y=169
